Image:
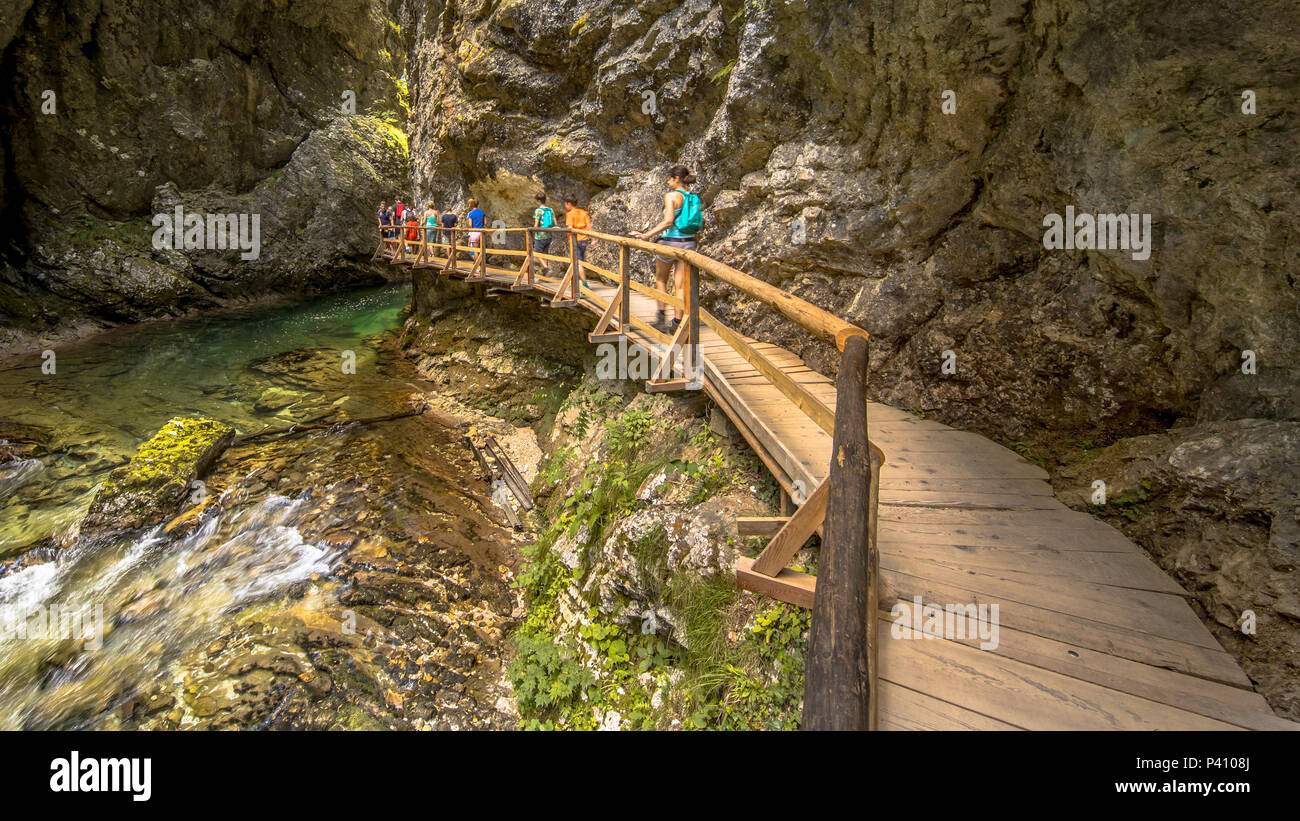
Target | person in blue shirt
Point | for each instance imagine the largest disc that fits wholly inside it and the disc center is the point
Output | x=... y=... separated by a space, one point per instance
x=385 y=215
x=476 y=220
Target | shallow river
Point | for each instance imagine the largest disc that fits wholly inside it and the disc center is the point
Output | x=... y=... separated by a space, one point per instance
x=349 y=577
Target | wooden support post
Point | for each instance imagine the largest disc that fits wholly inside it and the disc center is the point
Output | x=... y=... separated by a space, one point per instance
x=802 y=525
x=659 y=381
x=625 y=290
x=618 y=306
x=691 y=356
x=687 y=339
x=577 y=267
x=524 y=282
x=478 y=267
x=569 y=280
x=451 y=254
x=399 y=256
x=422 y=256
x=838 y=690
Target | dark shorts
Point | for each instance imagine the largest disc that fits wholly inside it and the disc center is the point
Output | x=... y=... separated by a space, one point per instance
x=582 y=250
x=687 y=243
x=542 y=246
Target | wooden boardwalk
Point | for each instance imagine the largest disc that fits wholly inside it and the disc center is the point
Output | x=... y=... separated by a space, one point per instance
x=1091 y=634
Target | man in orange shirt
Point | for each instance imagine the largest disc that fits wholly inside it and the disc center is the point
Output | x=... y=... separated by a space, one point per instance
x=578 y=218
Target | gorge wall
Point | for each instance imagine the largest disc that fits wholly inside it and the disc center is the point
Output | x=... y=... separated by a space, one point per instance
x=112 y=112
x=829 y=167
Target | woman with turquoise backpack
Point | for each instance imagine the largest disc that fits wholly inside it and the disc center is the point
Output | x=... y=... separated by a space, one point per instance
x=682 y=219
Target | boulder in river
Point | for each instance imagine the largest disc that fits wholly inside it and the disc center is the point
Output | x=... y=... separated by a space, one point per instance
x=149 y=488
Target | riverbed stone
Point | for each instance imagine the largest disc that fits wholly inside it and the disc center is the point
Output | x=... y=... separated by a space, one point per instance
x=149 y=488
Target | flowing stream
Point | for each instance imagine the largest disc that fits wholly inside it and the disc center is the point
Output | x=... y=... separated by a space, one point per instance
x=345 y=577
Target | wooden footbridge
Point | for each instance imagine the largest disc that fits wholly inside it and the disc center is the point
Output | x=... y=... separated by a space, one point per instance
x=931 y=537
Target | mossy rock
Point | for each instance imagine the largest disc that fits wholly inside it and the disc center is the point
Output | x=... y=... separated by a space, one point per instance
x=151 y=486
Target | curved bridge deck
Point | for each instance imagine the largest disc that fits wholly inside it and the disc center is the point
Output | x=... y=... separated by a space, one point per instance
x=1091 y=634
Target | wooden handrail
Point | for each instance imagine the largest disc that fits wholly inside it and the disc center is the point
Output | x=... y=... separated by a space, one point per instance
x=822 y=323
x=817 y=321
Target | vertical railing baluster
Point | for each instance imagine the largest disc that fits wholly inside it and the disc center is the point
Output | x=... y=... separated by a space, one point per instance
x=693 y=316
x=573 y=264
x=625 y=290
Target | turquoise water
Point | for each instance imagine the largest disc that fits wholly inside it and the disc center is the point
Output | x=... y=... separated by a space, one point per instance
x=169 y=621
x=111 y=392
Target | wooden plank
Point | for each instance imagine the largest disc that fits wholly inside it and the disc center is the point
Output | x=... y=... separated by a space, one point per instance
x=799 y=469
x=1157 y=614
x=956 y=468
x=1029 y=696
x=1118 y=641
x=782 y=477
x=1128 y=570
x=1028 y=487
x=1004 y=537
x=1064 y=518
x=809 y=404
x=789 y=586
x=760 y=525
x=1234 y=705
x=894 y=495
x=905 y=709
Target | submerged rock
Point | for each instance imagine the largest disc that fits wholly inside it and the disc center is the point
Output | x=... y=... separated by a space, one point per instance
x=148 y=489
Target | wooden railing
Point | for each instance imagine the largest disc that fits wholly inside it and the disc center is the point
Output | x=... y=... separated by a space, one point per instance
x=841 y=666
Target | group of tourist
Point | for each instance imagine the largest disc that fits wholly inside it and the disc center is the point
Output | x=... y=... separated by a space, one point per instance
x=678 y=228
x=404 y=222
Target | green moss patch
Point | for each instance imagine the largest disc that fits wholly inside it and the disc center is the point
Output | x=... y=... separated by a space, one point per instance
x=148 y=488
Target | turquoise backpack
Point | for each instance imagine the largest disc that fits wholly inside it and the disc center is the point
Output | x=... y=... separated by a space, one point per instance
x=691 y=216
x=548 y=217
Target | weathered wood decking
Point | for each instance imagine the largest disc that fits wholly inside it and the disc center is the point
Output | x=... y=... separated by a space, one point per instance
x=1091 y=633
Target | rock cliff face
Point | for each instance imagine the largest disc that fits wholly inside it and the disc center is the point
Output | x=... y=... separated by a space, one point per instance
x=926 y=228
x=112 y=112
x=895 y=163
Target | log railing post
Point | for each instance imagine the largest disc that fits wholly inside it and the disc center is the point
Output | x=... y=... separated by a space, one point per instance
x=478 y=266
x=524 y=282
x=690 y=355
x=573 y=261
x=625 y=285
x=838 y=690
x=451 y=253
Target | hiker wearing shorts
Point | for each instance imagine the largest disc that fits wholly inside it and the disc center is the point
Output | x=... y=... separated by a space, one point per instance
x=449 y=220
x=677 y=229
x=476 y=219
x=412 y=233
x=575 y=217
x=543 y=217
x=430 y=225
